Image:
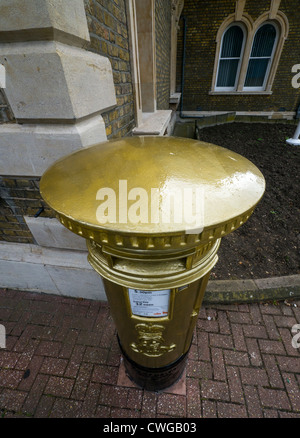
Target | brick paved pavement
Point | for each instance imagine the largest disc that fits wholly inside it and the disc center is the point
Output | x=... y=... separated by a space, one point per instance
x=62 y=360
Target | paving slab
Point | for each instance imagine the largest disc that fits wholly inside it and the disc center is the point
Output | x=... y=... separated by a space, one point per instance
x=61 y=360
x=252 y=290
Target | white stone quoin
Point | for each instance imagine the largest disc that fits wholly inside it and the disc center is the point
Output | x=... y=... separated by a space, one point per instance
x=49 y=270
x=29 y=149
x=50 y=80
x=50 y=233
x=62 y=20
x=57 y=91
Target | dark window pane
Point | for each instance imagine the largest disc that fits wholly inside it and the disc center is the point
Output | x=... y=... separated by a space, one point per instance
x=232 y=42
x=264 y=41
x=227 y=72
x=256 y=72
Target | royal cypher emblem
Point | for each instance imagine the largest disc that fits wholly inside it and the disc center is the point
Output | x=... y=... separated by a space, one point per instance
x=150 y=341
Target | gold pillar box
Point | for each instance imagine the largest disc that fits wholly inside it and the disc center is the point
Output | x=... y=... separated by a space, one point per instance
x=153 y=211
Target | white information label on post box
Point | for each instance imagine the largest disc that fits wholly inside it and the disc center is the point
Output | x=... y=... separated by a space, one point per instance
x=149 y=303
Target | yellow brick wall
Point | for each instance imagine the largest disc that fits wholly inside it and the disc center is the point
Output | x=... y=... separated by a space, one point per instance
x=163 y=49
x=109 y=37
x=203 y=21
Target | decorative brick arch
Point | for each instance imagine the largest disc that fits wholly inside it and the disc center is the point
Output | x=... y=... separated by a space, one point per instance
x=272 y=16
x=283 y=25
x=245 y=19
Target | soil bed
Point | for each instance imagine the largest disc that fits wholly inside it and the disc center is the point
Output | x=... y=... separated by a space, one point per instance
x=268 y=245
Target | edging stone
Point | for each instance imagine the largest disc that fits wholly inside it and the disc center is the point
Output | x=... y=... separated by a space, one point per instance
x=251 y=291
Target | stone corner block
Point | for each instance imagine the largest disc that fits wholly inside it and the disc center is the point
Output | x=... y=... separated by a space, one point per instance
x=43 y=19
x=50 y=233
x=50 y=80
x=31 y=149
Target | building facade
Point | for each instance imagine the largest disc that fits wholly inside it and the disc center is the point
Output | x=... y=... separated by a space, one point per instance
x=244 y=55
x=76 y=73
x=81 y=72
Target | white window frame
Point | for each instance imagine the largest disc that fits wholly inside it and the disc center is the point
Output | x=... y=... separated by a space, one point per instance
x=240 y=58
x=271 y=58
x=276 y=18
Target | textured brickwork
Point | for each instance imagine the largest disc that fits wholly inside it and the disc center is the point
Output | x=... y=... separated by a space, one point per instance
x=107 y=21
x=62 y=360
x=257 y=7
x=163 y=49
x=109 y=37
x=203 y=20
x=19 y=196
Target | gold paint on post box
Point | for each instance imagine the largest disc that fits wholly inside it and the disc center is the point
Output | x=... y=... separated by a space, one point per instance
x=176 y=329
x=150 y=340
x=153 y=255
x=232 y=186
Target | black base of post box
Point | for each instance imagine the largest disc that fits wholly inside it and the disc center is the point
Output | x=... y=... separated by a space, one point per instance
x=154 y=379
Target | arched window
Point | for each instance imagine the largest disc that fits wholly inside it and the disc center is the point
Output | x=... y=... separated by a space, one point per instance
x=260 y=60
x=248 y=53
x=230 y=58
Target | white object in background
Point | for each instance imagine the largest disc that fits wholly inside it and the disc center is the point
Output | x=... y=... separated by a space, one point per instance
x=295 y=141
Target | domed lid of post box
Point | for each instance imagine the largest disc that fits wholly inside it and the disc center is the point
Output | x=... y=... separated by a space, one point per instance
x=152 y=187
